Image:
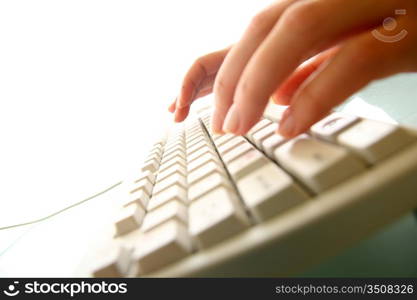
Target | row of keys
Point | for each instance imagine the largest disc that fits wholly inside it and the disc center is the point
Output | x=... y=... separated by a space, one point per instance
x=215 y=211
x=266 y=189
x=372 y=141
x=164 y=236
x=199 y=189
x=139 y=190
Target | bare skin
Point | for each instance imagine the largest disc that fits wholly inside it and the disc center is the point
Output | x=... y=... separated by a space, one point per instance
x=308 y=54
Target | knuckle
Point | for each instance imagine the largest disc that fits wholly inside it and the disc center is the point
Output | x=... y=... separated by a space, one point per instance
x=220 y=85
x=245 y=87
x=362 y=53
x=199 y=64
x=302 y=17
x=259 y=23
x=316 y=106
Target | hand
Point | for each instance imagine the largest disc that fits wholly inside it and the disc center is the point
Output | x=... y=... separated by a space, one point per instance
x=197 y=83
x=308 y=54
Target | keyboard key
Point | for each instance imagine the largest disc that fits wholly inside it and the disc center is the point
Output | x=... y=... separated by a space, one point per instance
x=222 y=139
x=172 y=155
x=153 y=156
x=192 y=129
x=128 y=219
x=198 y=146
x=237 y=152
x=199 y=153
x=176 y=168
x=196 y=140
x=157 y=149
x=202 y=160
x=329 y=127
x=233 y=143
x=174 y=138
x=271 y=143
x=207 y=184
x=246 y=163
x=317 y=164
x=207 y=123
x=215 y=217
x=174 y=179
x=191 y=124
x=268 y=191
x=151 y=166
x=156 y=152
x=258 y=126
x=173 y=209
x=139 y=197
x=174 y=149
x=261 y=135
x=112 y=262
x=145 y=175
x=204 y=171
x=143 y=184
x=175 y=192
x=161 y=246
x=274 y=112
x=170 y=163
x=175 y=142
x=196 y=134
x=373 y=140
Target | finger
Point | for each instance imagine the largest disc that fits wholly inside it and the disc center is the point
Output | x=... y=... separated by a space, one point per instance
x=172 y=106
x=292 y=41
x=284 y=94
x=206 y=84
x=238 y=57
x=204 y=92
x=203 y=68
x=181 y=114
x=361 y=60
x=206 y=87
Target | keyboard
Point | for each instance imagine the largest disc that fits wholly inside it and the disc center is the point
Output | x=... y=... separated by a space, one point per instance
x=257 y=205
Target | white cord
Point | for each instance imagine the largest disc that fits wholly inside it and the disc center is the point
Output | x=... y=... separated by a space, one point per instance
x=62 y=210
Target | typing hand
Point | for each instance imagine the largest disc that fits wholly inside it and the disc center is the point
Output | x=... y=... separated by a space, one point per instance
x=308 y=54
x=198 y=82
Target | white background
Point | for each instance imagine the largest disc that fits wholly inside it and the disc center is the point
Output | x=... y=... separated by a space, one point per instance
x=83 y=87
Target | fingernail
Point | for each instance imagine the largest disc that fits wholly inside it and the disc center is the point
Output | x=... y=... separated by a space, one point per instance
x=216 y=129
x=172 y=107
x=216 y=123
x=231 y=122
x=287 y=127
x=177 y=116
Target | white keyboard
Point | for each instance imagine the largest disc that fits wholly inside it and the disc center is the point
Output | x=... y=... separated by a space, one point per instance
x=207 y=205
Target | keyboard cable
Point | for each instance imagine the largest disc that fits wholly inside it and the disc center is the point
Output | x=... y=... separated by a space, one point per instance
x=63 y=209
x=77 y=204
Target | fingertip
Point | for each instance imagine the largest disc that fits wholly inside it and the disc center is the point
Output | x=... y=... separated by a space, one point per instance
x=172 y=106
x=281 y=98
x=217 y=123
x=232 y=121
x=287 y=125
x=178 y=118
x=217 y=130
x=274 y=99
x=181 y=114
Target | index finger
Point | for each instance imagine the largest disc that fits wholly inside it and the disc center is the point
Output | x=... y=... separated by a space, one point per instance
x=204 y=67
